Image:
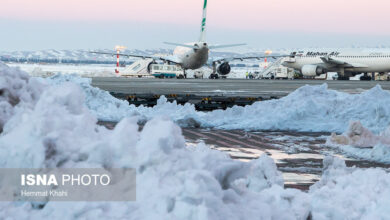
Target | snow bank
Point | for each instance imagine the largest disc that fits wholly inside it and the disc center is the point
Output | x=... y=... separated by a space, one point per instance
x=16 y=88
x=360 y=142
x=56 y=129
x=309 y=108
x=107 y=108
x=101 y=103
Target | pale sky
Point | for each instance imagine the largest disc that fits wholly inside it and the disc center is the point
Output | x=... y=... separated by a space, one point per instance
x=71 y=24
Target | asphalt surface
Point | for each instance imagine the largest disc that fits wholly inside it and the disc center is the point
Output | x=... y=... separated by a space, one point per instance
x=226 y=87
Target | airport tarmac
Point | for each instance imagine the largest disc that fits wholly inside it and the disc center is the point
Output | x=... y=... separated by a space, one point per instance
x=225 y=87
x=298 y=155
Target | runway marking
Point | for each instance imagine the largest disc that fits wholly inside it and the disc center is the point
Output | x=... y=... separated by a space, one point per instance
x=259 y=143
x=214 y=138
x=240 y=143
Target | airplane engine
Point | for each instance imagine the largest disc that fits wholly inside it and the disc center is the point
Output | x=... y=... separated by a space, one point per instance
x=312 y=70
x=224 y=68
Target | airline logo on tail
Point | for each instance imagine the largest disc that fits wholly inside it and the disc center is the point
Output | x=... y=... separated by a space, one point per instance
x=204 y=18
x=203 y=28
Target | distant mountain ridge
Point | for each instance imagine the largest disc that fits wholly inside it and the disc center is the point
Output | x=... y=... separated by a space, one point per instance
x=84 y=56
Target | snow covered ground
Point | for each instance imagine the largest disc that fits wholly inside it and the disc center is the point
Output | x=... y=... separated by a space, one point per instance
x=176 y=181
x=84 y=70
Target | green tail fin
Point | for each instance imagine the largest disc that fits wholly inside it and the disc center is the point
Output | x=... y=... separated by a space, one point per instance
x=202 y=37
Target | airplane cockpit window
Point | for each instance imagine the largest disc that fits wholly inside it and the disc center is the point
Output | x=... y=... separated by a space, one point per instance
x=293 y=54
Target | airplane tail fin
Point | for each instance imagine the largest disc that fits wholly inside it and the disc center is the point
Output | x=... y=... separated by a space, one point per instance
x=202 y=37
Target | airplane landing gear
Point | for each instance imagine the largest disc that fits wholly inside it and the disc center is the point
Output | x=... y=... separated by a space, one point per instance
x=213 y=76
x=343 y=78
x=182 y=76
x=342 y=75
x=365 y=77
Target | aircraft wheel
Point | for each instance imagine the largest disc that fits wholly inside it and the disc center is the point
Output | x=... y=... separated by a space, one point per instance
x=343 y=78
x=365 y=78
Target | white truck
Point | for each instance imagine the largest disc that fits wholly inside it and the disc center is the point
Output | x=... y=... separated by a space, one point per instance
x=282 y=72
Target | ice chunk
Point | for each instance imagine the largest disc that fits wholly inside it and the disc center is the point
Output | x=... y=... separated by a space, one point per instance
x=357 y=136
x=360 y=142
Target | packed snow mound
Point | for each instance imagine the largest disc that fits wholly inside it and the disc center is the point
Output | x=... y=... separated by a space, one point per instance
x=16 y=90
x=309 y=108
x=104 y=106
x=108 y=108
x=350 y=193
x=360 y=142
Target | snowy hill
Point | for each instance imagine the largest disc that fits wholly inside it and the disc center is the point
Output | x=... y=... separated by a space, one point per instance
x=84 y=56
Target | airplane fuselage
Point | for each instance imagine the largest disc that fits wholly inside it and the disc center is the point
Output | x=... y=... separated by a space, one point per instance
x=192 y=58
x=356 y=60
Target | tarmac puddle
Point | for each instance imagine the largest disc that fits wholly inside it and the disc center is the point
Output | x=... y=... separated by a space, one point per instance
x=298 y=155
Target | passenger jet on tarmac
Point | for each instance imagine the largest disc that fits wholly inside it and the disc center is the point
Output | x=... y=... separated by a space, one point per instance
x=195 y=55
x=346 y=62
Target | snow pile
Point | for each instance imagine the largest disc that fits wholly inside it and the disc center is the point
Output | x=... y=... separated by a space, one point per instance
x=56 y=129
x=360 y=142
x=16 y=89
x=359 y=136
x=350 y=193
x=309 y=108
x=100 y=102
x=108 y=108
x=173 y=181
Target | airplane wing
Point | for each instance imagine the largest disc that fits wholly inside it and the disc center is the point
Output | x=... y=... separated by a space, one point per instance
x=229 y=59
x=225 y=46
x=171 y=59
x=334 y=62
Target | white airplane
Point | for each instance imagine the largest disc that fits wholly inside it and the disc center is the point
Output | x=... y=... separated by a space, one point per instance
x=195 y=55
x=346 y=62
